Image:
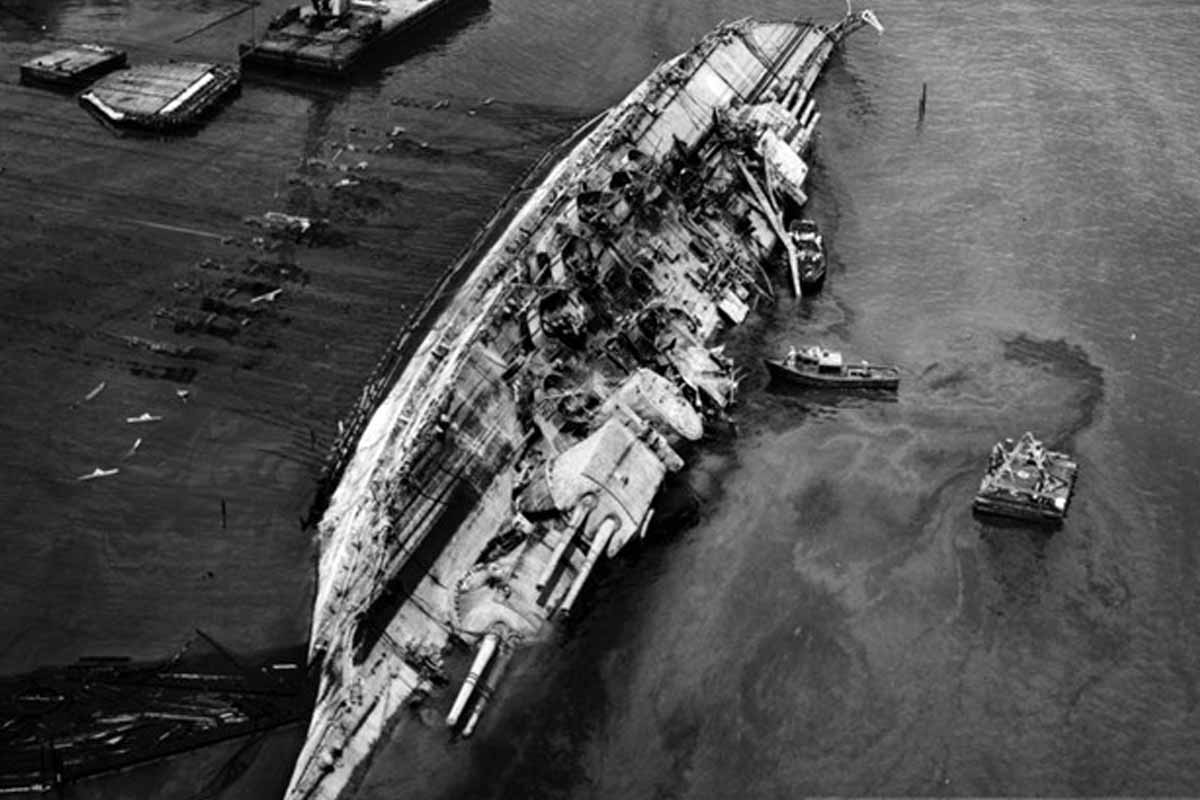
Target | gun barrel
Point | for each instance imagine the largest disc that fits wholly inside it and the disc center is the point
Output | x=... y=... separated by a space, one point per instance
x=487 y=648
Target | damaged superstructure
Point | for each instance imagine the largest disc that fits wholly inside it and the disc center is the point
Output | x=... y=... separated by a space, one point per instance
x=531 y=430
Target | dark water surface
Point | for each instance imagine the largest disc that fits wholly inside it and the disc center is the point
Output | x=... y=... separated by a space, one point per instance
x=836 y=621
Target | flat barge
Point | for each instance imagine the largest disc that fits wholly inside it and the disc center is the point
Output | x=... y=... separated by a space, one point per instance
x=529 y=432
x=161 y=97
x=1026 y=481
x=334 y=36
x=72 y=68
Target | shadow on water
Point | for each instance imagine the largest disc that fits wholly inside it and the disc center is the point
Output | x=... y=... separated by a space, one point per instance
x=780 y=407
x=1016 y=558
x=998 y=530
x=833 y=399
x=856 y=96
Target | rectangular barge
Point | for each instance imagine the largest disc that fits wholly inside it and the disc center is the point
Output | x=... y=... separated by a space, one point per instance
x=334 y=36
x=1026 y=481
x=73 y=67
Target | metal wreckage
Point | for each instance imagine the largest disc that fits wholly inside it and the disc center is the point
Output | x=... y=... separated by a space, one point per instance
x=530 y=431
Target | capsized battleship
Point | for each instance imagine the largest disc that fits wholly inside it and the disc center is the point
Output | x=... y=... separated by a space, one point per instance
x=527 y=436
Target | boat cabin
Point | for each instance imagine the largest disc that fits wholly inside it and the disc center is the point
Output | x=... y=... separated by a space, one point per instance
x=825 y=360
x=829 y=361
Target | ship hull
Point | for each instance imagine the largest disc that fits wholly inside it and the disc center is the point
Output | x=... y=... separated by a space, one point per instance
x=533 y=422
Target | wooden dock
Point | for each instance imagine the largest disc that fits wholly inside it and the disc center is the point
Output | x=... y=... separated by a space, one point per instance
x=332 y=44
x=161 y=97
x=72 y=67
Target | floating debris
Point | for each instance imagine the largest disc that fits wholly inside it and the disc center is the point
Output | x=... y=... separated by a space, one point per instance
x=99 y=472
x=146 y=417
x=307 y=230
x=95 y=391
x=269 y=297
x=162 y=348
x=186 y=320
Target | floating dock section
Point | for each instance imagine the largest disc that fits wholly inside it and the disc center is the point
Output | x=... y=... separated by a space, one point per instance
x=161 y=97
x=72 y=67
x=530 y=431
x=333 y=41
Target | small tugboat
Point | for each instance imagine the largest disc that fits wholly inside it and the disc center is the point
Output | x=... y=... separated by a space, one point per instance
x=810 y=252
x=820 y=368
x=1027 y=481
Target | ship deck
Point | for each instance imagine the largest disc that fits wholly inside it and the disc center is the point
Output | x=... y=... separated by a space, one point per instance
x=160 y=96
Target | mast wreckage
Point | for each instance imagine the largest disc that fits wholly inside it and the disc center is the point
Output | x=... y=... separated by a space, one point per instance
x=530 y=431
